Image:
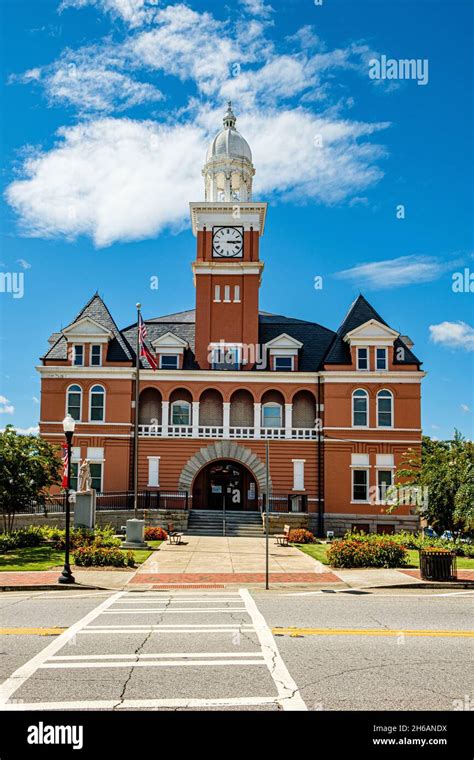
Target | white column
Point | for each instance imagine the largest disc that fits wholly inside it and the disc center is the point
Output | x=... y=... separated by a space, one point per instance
x=226 y=418
x=165 y=416
x=257 y=419
x=195 y=418
x=288 y=420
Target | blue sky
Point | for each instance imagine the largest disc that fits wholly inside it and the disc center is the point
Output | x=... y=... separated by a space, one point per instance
x=108 y=108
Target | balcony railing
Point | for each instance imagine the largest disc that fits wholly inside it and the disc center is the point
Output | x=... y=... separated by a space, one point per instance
x=218 y=431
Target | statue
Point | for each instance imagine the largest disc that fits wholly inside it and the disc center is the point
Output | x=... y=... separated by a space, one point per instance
x=85 y=478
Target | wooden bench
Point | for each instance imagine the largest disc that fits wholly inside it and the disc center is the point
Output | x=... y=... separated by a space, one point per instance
x=174 y=537
x=282 y=539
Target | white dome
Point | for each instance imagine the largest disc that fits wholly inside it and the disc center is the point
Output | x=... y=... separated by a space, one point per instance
x=229 y=142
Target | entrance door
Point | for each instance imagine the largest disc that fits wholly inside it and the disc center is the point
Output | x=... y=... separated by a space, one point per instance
x=225 y=483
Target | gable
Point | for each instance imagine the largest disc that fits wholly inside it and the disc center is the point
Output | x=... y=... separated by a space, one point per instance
x=371 y=332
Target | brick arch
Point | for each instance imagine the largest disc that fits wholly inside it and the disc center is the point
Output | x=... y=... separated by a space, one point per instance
x=222 y=450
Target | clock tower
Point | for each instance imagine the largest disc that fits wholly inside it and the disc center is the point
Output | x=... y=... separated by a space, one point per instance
x=227 y=270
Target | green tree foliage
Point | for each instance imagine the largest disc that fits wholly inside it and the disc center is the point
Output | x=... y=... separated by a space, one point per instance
x=444 y=473
x=29 y=466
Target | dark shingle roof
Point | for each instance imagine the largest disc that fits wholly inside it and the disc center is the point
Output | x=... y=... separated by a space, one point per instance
x=118 y=348
x=360 y=312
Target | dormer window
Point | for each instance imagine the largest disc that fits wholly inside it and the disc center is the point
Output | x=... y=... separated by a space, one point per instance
x=78 y=356
x=226 y=357
x=283 y=363
x=363 y=359
x=169 y=361
x=96 y=355
x=381 y=359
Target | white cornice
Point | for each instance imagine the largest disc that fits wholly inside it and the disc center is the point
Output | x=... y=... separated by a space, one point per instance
x=364 y=377
x=208 y=214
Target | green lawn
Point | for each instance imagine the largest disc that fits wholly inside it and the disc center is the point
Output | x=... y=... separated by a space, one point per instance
x=46 y=558
x=318 y=551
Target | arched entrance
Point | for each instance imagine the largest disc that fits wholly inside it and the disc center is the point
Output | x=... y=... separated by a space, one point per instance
x=225 y=483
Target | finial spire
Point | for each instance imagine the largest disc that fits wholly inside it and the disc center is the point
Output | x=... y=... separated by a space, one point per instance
x=229 y=118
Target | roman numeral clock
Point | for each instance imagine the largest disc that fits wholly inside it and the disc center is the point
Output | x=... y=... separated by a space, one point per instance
x=227 y=242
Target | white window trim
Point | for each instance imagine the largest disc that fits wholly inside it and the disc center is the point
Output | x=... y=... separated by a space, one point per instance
x=157 y=459
x=176 y=356
x=74 y=346
x=217 y=293
x=385 y=350
x=385 y=427
x=295 y=485
x=267 y=405
x=80 y=402
x=100 y=355
x=172 y=405
x=360 y=501
x=275 y=359
x=236 y=293
x=385 y=469
x=102 y=421
x=101 y=462
x=366 y=348
x=360 y=427
x=227 y=294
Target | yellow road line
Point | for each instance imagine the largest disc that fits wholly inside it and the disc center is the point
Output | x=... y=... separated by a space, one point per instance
x=293 y=631
x=32 y=631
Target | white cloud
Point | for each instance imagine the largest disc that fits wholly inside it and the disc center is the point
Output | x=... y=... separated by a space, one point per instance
x=257 y=8
x=453 y=335
x=404 y=270
x=465 y=408
x=33 y=430
x=118 y=179
x=5 y=406
x=132 y=12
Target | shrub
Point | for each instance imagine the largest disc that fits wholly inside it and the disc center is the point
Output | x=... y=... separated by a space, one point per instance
x=102 y=556
x=301 y=536
x=80 y=537
x=155 y=533
x=20 y=538
x=367 y=551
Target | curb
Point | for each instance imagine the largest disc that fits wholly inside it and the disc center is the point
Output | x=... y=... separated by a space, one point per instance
x=56 y=587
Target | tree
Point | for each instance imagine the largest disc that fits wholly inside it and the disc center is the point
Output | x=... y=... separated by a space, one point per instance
x=29 y=466
x=444 y=472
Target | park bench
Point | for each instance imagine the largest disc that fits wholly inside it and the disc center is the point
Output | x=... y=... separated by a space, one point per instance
x=282 y=539
x=174 y=537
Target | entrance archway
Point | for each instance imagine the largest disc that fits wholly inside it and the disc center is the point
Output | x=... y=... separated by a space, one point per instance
x=225 y=483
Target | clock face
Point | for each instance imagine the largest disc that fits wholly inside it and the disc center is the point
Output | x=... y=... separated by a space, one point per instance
x=227 y=242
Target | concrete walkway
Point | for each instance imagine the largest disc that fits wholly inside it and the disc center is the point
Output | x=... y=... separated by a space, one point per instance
x=219 y=554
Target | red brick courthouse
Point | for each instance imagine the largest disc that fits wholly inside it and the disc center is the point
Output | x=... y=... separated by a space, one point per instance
x=338 y=408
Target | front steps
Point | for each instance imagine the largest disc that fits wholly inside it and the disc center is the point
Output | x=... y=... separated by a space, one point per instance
x=209 y=522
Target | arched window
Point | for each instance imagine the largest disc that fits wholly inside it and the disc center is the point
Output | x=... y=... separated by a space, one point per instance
x=272 y=414
x=74 y=401
x=180 y=413
x=360 y=408
x=97 y=404
x=384 y=409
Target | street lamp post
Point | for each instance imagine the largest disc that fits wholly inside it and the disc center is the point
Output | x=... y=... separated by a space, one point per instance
x=68 y=427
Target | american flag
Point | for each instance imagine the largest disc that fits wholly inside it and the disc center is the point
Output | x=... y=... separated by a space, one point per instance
x=142 y=333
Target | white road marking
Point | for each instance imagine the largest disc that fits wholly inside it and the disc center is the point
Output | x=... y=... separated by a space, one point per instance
x=149 y=664
x=159 y=632
x=178 y=611
x=144 y=704
x=25 y=672
x=288 y=692
x=158 y=655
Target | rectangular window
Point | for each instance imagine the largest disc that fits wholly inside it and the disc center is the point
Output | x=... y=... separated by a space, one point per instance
x=226 y=358
x=381 y=362
x=226 y=293
x=74 y=475
x=96 y=355
x=153 y=471
x=283 y=363
x=363 y=359
x=360 y=485
x=298 y=474
x=168 y=361
x=271 y=415
x=237 y=294
x=78 y=356
x=181 y=413
x=96 y=475
x=384 y=481
x=217 y=293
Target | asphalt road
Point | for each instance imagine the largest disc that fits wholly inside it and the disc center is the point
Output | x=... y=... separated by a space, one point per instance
x=223 y=650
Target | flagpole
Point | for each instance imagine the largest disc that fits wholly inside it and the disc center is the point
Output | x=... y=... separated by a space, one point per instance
x=137 y=397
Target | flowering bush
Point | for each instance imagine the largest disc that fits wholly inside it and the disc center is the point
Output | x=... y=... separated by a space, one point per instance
x=84 y=537
x=155 y=533
x=101 y=556
x=17 y=539
x=366 y=551
x=301 y=536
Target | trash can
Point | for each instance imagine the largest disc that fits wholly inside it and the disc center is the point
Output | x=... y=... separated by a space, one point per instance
x=438 y=565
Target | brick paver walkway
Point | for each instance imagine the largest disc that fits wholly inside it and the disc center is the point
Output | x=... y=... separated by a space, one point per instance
x=463 y=575
x=32 y=578
x=227 y=578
